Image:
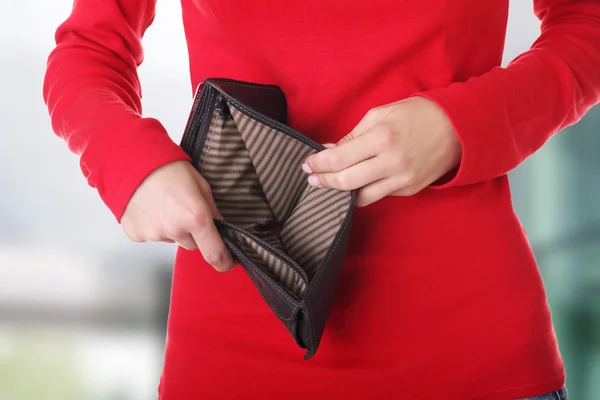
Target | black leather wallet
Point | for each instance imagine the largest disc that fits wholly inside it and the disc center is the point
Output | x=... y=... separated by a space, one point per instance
x=289 y=236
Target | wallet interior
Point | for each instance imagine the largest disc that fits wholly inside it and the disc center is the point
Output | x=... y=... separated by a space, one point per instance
x=283 y=224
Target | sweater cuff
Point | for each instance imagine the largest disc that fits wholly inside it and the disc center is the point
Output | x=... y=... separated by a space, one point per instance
x=127 y=165
x=465 y=110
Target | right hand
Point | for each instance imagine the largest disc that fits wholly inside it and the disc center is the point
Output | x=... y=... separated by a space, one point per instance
x=174 y=204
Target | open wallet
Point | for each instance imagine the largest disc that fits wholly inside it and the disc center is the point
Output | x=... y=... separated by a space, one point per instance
x=290 y=237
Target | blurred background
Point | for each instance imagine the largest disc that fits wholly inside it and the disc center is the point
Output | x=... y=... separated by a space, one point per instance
x=83 y=311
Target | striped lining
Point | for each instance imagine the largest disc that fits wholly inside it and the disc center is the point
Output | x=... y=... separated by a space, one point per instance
x=256 y=180
x=270 y=263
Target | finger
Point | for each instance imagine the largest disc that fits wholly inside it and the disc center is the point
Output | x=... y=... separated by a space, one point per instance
x=356 y=176
x=186 y=241
x=211 y=245
x=167 y=241
x=400 y=185
x=375 y=191
x=408 y=191
x=344 y=155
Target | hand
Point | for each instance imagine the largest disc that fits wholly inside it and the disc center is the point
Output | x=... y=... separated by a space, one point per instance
x=174 y=204
x=396 y=150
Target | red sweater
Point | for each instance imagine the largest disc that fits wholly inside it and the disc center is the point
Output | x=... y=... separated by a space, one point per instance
x=440 y=296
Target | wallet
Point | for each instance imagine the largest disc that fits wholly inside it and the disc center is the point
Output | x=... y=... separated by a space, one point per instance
x=290 y=237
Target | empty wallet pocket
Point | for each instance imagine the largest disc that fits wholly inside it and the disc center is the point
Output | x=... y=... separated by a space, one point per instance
x=274 y=221
x=269 y=259
x=257 y=182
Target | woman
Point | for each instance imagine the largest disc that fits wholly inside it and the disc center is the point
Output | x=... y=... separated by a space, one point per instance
x=440 y=296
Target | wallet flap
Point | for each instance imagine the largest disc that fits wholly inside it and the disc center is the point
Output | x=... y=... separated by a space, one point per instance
x=267 y=100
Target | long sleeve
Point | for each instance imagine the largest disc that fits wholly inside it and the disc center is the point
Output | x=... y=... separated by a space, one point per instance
x=505 y=115
x=93 y=95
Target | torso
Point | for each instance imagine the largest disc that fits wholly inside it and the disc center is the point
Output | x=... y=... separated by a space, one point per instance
x=440 y=296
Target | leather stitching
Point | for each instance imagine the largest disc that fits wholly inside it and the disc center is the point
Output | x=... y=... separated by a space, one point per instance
x=320 y=274
x=262 y=274
x=259 y=272
x=265 y=122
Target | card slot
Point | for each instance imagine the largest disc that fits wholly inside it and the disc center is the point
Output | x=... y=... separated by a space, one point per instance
x=269 y=258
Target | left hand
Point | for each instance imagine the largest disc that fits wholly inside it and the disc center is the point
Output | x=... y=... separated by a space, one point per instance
x=396 y=150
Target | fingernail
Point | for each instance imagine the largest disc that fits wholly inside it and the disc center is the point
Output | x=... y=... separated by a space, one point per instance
x=306 y=168
x=314 y=180
x=329 y=145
